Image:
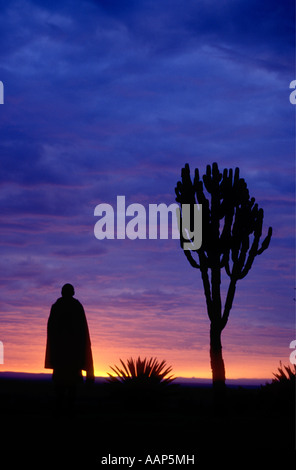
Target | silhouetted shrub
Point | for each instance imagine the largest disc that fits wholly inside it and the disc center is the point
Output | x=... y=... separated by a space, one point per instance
x=285 y=376
x=142 y=373
x=141 y=385
x=281 y=391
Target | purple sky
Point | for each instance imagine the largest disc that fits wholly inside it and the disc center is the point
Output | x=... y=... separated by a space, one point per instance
x=107 y=98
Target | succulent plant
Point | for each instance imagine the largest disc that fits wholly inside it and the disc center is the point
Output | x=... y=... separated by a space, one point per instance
x=142 y=372
x=231 y=232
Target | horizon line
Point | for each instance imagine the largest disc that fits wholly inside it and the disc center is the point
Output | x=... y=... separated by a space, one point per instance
x=203 y=379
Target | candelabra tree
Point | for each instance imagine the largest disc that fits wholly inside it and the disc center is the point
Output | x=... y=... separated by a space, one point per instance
x=231 y=232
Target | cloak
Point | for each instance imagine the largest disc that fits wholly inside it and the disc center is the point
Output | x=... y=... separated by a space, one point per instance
x=68 y=346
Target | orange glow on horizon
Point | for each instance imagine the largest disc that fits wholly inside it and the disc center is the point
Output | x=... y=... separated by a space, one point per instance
x=239 y=367
x=245 y=357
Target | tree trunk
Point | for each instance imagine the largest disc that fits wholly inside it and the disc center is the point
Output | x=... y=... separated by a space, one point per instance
x=217 y=363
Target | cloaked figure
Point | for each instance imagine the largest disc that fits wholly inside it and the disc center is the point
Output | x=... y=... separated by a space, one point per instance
x=68 y=348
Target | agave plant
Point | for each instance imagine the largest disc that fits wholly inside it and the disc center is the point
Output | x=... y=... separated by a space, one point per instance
x=283 y=384
x=285 y=375
x=142 y=372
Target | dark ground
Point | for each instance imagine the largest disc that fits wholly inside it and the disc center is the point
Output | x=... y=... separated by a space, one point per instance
x=108 y=421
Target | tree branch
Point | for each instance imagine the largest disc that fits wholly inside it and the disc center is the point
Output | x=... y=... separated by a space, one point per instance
x=206 y=283
x=191 y=259
x=228 y=302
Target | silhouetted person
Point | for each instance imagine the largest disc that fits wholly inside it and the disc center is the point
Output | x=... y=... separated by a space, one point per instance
x=68 y=348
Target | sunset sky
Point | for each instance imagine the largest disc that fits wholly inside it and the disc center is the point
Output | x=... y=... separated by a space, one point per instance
x=107 y=98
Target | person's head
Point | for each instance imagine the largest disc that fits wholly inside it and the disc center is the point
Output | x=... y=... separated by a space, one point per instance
x=68 y=290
